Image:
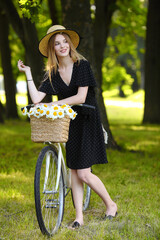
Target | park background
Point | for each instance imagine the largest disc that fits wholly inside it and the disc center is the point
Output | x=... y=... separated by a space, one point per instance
x=121 y=39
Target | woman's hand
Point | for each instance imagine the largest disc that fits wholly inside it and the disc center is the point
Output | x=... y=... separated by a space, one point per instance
x=36 y=96
x=22 y=67
x=25 y=69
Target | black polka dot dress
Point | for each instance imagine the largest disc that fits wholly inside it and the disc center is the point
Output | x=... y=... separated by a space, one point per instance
x=85 y=146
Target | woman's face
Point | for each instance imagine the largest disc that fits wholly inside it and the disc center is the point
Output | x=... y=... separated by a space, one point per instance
x=61 y=46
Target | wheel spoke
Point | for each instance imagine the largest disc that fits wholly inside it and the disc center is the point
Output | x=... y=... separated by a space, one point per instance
x=50 y=203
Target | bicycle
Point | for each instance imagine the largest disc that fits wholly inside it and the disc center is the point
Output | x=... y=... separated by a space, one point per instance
x=52 y=183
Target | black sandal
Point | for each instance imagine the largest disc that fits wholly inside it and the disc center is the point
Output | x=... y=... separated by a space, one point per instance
x=109 y=217
x=76 y=225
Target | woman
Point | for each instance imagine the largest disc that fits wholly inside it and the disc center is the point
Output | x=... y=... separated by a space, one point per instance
x=70 y=77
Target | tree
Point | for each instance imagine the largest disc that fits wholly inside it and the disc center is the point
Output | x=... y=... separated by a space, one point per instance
x=102 y=22
x=27 y=32
x=1 y=113
x=55 y=11
x=125 y=44
x=9 y=83
x=77 y=15
x=152 y=65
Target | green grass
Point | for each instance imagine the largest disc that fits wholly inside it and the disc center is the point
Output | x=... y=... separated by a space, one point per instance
x=132 y=178
x=127 y=110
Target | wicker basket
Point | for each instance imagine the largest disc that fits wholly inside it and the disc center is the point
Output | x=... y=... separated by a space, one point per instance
x=49 y=130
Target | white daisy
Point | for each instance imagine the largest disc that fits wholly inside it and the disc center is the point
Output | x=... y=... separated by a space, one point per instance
x=44 y=106
x=37 y=112
x=70 y=112
x=54 y=115
x=31 y=111
x=49 y=113
x=64 y=106
x=73 y=116
x=24 y=111
x=56 y=107
x=41 y=110
x=61 y=113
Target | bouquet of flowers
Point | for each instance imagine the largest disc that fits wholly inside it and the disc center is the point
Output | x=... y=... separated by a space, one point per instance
x=52 y=112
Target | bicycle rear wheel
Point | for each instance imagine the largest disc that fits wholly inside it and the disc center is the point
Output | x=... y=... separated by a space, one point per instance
x=49 y=201
x=86 y=197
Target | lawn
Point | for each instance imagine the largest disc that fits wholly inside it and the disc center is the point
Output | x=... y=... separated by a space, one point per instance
x=132 y=178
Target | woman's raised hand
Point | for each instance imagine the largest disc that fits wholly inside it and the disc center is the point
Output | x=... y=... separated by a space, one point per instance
x=22 y=67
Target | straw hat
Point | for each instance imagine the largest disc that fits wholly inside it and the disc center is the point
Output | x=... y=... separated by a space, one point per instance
x=43 y=44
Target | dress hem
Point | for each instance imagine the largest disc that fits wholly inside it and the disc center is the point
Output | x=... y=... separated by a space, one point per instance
x=87 y=167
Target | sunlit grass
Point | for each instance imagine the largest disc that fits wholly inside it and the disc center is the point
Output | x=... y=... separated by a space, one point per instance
x=11 y=181
x=127 y=110
x=134 y=97
x=131 y=177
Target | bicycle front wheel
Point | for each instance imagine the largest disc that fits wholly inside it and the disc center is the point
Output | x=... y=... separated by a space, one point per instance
x=49 y=199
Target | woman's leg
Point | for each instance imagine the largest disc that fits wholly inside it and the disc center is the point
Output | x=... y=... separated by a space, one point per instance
x=85 y=175
x=77 y=190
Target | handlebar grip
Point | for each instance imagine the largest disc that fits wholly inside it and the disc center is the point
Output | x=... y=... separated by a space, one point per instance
x=88 y=106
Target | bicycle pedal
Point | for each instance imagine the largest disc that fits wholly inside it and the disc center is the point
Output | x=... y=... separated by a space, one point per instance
x=49 y=206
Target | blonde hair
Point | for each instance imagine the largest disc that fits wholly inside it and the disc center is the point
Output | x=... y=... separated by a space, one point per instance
x=52 y=63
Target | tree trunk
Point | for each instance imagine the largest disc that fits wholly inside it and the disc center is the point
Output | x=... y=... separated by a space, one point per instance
x=152 y=65
x=53 y=9
x=9 y=83
x=76 y=15
x=33 y=57
x=1 y=113
x=103 y=15
x=26 y=30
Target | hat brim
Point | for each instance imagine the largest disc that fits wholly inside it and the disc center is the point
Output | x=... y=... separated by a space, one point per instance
x=43 y=44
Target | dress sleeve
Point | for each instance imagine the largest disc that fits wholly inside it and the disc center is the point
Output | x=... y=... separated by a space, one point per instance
x=85 y=75
x=47 y=87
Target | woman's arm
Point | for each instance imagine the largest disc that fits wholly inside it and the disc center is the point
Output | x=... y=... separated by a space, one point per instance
x=35 y=95
x=79 y=98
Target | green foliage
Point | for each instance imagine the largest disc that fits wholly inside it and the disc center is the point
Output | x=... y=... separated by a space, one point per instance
x=125 y=45
x=44 y=20
x=30 y=9
x=37 y=12
x=131 y=17
x=58 y=10
x=114 y=75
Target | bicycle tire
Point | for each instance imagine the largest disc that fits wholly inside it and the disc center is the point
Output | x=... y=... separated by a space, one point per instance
x=49 y=203
x=86 y=197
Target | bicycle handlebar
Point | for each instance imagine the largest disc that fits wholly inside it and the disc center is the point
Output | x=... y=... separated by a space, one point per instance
x=81 y=105
x=86 y=105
